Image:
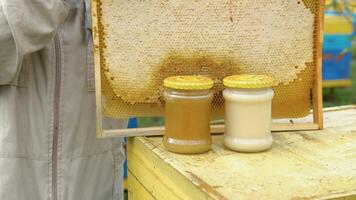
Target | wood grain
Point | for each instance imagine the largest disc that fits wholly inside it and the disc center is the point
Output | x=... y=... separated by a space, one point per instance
x=97 y=65
x=317 y=87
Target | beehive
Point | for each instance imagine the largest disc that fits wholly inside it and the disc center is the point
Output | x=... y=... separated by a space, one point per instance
x=338 y=30
x=139 y=43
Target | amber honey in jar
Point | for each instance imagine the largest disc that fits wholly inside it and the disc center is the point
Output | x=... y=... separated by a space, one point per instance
x=248 y=101
x=187 y=114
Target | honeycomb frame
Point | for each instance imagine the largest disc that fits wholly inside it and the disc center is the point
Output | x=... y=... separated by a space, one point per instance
x=101 y=100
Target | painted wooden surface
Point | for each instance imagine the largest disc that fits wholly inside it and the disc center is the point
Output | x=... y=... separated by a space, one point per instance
x=136 y=190
x=300 y=165
x=337 y=83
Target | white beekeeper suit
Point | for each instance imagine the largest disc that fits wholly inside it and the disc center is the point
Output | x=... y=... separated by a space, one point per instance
x=48 y=148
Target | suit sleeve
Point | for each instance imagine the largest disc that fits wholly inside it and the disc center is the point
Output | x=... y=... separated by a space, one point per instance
x=26 y=26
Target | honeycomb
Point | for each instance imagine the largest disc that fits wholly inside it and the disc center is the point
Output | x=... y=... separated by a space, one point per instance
x=143 y=42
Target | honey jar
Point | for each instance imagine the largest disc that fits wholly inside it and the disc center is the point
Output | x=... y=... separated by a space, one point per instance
x=248 y=102
x=187 y=114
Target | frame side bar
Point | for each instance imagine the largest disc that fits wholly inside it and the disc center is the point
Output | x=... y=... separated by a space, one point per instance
x=96 y=46
x=317 y=86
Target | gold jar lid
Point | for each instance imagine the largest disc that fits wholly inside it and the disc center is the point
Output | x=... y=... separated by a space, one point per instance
x=188 y=82
x=248 y=81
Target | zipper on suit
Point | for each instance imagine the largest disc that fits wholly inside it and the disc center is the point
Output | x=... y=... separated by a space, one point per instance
x=56 y=115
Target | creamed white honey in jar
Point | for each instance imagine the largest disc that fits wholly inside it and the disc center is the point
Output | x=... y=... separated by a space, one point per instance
x=248 y=102
x=187 y=114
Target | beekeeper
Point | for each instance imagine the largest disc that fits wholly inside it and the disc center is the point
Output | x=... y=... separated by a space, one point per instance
x=48 y=148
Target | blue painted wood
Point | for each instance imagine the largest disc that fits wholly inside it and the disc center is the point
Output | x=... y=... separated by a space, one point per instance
x=132 y=123
x=336 y=13
x=336 y=53
x=336 y=42
x=336 y=66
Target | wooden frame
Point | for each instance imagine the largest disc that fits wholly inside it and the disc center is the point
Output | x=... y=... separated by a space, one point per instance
x=316 y=90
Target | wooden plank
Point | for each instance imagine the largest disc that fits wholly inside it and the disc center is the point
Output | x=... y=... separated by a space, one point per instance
x=294 y=127
x=136 y=191
x=215 y=129
x=300 y=165
x=317 y=86
x=337 y=83
x=162 y=181
x=97 y=65
x=339 y=108
x=133 y=132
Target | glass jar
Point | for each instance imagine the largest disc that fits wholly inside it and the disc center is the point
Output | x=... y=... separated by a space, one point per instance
x=248 y=102
x=187 y=114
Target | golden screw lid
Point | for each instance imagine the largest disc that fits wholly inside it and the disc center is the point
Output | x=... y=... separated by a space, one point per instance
x=188 y=82
x=248 y=81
